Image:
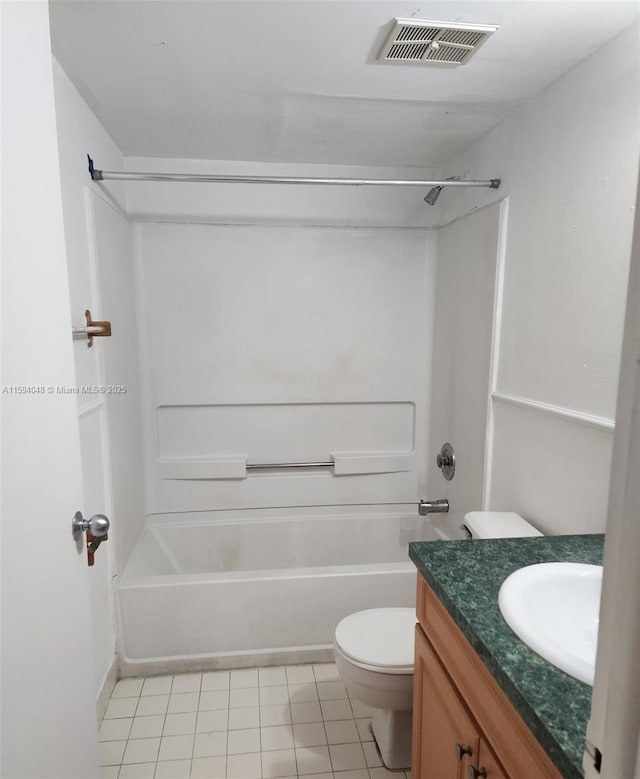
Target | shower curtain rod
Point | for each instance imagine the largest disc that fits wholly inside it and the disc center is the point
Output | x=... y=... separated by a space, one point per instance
x=110 y=175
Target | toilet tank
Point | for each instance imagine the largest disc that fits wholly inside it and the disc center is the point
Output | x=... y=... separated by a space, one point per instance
x=498 y=524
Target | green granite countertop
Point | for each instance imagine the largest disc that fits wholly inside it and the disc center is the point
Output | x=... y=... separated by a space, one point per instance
x=466 y=577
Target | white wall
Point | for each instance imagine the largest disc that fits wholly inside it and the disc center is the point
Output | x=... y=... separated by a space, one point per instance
x=568 y=160
x=468 y=251
x=101 y=278
x=285 y=344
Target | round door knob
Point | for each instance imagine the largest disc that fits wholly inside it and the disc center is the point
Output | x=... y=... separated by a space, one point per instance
x=476 y=773
x=98 y=525
x=461 y=751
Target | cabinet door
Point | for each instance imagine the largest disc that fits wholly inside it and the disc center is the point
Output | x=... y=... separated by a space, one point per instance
x=487 y=763
x=445 y=739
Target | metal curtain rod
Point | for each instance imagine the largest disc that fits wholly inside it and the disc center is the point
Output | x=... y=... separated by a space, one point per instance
x=104 y=175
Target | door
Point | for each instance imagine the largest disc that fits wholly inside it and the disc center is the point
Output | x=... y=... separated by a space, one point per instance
x=48 y=704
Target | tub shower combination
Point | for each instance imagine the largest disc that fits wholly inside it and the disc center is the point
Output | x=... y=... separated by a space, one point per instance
x=223 y=590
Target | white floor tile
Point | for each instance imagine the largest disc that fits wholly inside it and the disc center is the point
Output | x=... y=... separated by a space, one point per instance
x=305 y=712
x=180 y=724
x=111 y=752
x=109 y=771
x=209 y=768
x=313 y=760
x=176 y=747
x=241 y=719
x=115 y=729
x=342 y=732
x=208 y=721
x=157 y=685
x=371 y=754
x=300 y=674
x=137 y=771
x=215 y=680
x=173 y=769
x=152 y=704
x=245 y=677
x=127 y=688
x=275 y=715
x=383 y=773
x=244 y=766
x=303 y=693
x=141 y=750
x=347 y=757
x=331 y=691
x=361 y=774
x=323 y=776
x=361 y=709
x=210 y=745
x=213 y=699
x=270 y=677
x=244 y=697
x=278 y=763
x=309 y=734
x=243 y=741
x=121 y=707
x=182 y=702
x=276 y=738
x=332 y=710
x=326 y=672
x=270 y=696
x=364 y=729
x=147 y=727
x=186 y=683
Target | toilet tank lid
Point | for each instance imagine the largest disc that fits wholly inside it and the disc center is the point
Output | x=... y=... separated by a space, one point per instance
x=379 y=637
x=498 y=524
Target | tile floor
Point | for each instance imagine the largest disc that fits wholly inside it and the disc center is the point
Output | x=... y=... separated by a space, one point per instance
x=258 y=723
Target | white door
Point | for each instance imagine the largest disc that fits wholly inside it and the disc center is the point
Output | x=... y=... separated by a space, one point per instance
x=48 y=727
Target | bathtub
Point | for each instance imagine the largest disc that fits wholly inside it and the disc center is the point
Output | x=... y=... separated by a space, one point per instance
x=226 y=592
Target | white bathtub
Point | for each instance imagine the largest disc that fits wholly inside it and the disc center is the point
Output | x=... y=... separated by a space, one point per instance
x=227 y=592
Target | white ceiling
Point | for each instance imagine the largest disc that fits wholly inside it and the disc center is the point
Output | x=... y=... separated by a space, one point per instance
x=297 y=80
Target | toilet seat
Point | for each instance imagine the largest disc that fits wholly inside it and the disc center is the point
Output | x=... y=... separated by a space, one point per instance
x=378 y=639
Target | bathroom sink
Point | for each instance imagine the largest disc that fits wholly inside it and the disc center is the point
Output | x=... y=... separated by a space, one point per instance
x=554 y=608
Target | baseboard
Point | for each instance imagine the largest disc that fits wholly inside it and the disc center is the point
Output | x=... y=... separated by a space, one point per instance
x=110 y=679
x=158 y=666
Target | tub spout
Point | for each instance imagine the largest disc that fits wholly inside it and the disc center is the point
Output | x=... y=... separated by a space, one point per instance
x=433 y=507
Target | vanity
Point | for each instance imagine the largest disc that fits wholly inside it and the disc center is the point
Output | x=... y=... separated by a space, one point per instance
x=485 y=705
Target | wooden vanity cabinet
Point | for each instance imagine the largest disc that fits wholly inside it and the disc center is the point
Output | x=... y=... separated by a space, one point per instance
x=464 y=727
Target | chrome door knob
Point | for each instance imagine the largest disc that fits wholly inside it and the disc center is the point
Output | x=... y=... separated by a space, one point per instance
x=98 y=525
x=475 y=773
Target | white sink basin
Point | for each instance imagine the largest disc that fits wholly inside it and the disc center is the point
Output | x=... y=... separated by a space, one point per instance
x=554 y=608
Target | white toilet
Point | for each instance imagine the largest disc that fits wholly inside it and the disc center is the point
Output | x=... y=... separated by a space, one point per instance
x=374 y=651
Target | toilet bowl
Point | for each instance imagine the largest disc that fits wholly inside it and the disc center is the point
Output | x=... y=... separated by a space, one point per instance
x=374 y=652
x=374 y=657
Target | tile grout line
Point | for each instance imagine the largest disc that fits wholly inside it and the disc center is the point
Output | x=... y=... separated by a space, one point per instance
x=324 y=725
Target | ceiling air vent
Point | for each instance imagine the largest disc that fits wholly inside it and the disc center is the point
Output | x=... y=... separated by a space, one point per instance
x=434 y=43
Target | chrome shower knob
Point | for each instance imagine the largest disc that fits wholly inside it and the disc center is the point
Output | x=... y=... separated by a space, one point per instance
x=446 y=461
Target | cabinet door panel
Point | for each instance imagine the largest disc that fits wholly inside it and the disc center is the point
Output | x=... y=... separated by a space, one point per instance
x=440 y=721
x=488 y=761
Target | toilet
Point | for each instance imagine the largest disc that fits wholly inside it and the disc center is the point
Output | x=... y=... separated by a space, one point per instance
x=374 y=651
